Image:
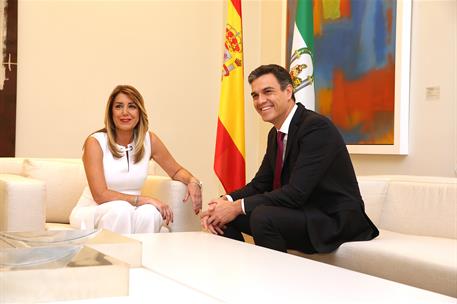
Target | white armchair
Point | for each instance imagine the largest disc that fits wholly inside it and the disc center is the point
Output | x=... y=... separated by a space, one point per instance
x=39 y=193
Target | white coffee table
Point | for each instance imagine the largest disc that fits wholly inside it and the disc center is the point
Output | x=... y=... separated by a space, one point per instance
x=197 y=267
x=146 y=286
x=236 y=272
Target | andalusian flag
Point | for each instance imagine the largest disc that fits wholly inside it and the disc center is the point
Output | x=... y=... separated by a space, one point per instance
x=301 y=57
x=229 y=159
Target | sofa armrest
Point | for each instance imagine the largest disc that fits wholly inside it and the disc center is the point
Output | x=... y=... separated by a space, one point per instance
x=172 y=192
x=22 y=203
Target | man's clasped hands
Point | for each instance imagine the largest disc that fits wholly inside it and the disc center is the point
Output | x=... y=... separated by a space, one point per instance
x=220 y=212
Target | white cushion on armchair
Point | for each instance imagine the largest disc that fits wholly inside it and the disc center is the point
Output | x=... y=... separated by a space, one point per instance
x=173 y=193
x=22 y=204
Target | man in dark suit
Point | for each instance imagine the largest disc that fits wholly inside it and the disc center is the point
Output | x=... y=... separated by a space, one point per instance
x=305 y=194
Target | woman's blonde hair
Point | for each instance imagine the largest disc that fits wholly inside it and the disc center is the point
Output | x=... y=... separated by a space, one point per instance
x=140 y=130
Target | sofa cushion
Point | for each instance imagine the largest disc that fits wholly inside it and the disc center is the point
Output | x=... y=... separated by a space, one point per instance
x=425 y=262
x=426 y=206
x=374 y=191
x=65 y=180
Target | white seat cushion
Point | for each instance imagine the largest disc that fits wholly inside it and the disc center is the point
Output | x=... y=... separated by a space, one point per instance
x=425 y=262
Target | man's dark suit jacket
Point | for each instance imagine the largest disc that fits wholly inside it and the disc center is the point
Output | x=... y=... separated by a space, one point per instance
x=317 y=178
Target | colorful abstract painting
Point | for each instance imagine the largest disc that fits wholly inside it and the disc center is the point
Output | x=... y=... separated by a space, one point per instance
x=356 y=68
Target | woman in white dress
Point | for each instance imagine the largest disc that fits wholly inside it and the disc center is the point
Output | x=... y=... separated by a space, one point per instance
x=116 y=164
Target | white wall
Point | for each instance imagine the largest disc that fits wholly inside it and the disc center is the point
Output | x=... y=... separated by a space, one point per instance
x=73 y=53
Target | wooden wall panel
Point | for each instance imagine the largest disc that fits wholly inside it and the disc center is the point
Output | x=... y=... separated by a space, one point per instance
x=8 y=93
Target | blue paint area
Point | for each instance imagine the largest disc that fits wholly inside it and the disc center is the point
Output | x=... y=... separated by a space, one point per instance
x=333 y=51
x=356 y=44
x=380 y=34
x=355 y=135
x=336 y=47
x=392 y=6
x=366 y=48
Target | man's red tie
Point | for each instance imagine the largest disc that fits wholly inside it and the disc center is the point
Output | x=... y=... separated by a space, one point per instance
x=278 y=164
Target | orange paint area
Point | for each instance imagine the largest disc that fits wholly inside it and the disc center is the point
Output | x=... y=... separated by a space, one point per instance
x=317 y=17
x=366 y=103
x=345 y=8
x=325 y=101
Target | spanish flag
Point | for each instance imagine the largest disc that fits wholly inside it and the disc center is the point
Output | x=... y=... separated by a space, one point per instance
x=229 y=159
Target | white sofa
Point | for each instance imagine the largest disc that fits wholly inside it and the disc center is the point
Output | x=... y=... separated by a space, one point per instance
x=417 y=218
x=39 y=193
x=417 y=245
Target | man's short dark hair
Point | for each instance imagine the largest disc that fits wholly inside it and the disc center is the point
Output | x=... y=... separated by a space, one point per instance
x=280 y=73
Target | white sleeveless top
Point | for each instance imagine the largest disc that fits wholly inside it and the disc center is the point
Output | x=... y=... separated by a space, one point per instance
x=121 y=174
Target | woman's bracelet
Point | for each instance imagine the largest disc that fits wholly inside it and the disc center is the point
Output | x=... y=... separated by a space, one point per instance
x=197 y=182
x=173 y=176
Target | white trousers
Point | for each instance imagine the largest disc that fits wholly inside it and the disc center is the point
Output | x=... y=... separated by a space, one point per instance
x=122 y=217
